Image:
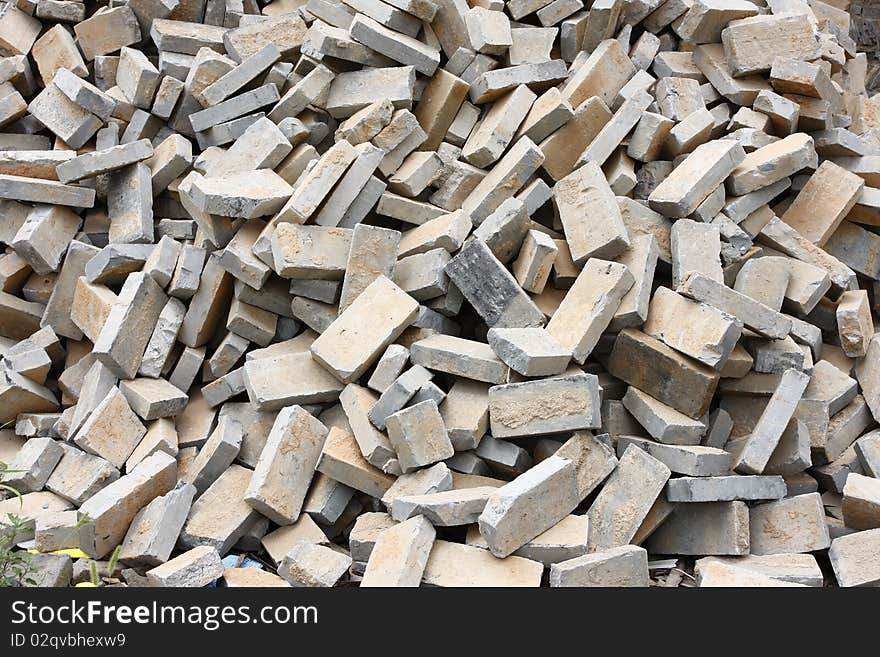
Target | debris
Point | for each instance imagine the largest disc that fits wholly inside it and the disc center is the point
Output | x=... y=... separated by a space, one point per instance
x=439 y=293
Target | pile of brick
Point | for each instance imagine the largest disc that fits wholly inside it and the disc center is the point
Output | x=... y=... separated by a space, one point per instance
x=411 y=292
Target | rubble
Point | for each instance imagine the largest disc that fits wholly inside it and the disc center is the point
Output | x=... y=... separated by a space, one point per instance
x=438 y=293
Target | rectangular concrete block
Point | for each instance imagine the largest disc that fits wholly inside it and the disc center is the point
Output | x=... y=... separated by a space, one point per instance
x=555 y=405
x=286 y=466
x=713 y=528
x=456 y=565
x=617 y=512
x=626 y=565
x=793 y=525
x=374 y=320
x=589 y=306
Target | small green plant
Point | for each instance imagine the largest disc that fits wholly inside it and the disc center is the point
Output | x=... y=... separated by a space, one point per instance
x=111 y=566
x=114 y=557
x=15 y=565
x=6 y=487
